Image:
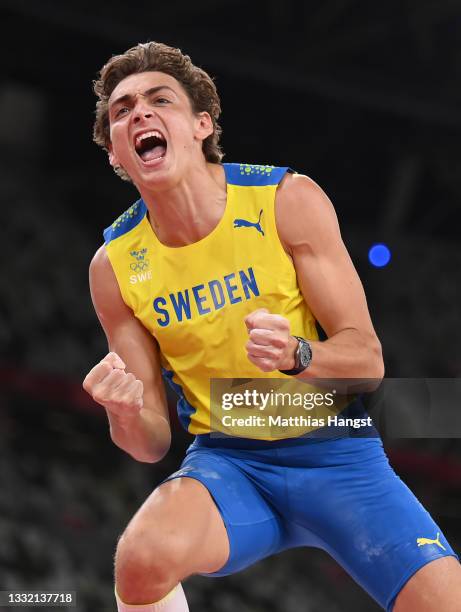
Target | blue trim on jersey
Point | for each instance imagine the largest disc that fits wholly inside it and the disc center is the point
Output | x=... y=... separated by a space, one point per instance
x=254 y=175
x=126 y=222
x=236 y=174
x=185 y=410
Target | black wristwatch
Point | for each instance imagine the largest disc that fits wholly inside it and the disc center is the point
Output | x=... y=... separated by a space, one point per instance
x=303 y=357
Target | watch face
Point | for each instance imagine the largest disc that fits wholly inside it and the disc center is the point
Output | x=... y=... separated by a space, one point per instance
x=304 y=354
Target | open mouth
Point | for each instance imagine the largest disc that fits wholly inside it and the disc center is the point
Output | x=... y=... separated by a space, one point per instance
x=150 y=145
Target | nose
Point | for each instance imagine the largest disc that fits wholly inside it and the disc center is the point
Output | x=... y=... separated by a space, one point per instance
x=140 y=115
x=141 y=110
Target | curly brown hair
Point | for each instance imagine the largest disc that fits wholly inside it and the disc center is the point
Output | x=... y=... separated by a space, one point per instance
x=155 y=56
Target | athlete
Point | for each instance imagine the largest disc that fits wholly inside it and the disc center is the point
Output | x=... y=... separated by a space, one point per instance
x=221 y=271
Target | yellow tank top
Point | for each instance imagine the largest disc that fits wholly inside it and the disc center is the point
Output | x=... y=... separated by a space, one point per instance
x=193 y=299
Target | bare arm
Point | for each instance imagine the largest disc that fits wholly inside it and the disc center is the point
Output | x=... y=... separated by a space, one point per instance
x=309 y=231
x=127 y=382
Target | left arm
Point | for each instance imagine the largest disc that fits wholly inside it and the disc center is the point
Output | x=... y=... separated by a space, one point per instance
x=309 y=231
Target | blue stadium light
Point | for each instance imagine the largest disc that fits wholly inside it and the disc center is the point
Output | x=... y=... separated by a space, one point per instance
x=379 y=255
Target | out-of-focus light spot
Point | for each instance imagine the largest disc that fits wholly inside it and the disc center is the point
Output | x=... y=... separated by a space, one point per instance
x=379 y=255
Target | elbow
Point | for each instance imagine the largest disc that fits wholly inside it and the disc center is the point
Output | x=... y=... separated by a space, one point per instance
x=157 y=455
x=372 y=368
x=159 y=448
x=154 y=453
x=146 y=455
x=371 y=359
x=153 y=456
x=376 y=361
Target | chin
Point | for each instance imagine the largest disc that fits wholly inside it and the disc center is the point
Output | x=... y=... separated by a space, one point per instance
x=158 y=178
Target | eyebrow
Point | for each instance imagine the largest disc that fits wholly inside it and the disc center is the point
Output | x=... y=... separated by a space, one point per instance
x=148 y=92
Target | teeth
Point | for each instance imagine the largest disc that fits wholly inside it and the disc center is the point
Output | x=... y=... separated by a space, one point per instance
x=154 y=133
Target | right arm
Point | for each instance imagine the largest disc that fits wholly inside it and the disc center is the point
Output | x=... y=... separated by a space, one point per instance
x=127 y=382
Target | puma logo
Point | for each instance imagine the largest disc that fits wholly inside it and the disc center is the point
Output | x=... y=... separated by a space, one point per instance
x=245 y=223
x=423 y=541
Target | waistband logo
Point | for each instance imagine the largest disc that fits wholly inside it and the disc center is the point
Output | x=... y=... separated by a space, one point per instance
x=246 y=223
x=423 y=541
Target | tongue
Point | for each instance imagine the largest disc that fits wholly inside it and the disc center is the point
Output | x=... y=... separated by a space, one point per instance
x=155 y=153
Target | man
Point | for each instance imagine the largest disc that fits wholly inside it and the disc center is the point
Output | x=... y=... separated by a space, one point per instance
x=221 y=271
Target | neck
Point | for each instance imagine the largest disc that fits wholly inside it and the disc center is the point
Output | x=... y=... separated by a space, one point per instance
x=191 y=209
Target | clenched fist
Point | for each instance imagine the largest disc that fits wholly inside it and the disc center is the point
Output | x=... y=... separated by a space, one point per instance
x=118 y=391
x=270 y=346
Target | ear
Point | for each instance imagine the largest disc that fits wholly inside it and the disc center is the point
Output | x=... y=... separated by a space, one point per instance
x=113 y=160
x=204 y=125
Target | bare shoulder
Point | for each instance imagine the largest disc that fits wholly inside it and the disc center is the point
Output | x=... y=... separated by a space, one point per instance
x=304 y=213
x=102 y=277
x=105 y=291
x=100 y=263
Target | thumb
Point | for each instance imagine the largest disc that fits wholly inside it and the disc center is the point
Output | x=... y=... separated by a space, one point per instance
x=249 y=318
x=115 y=361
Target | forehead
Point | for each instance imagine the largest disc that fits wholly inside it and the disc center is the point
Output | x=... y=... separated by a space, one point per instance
x=142 y=81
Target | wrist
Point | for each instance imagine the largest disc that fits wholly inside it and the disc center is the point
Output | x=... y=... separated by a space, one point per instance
x=302 y=357
x=290 y=360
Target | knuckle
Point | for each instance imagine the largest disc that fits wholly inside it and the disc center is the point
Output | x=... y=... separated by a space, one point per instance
x=98 y=397
x=105 y=368
x=116 y=376
x=114 y=401
x=257 y=335
x=282 y=322
x=280 y=342
x=262 y=318
x=130 y=403
x=107 y=359
x=125 y=400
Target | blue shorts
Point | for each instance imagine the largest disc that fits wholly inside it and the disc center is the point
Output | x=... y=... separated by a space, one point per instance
x=338 y=494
